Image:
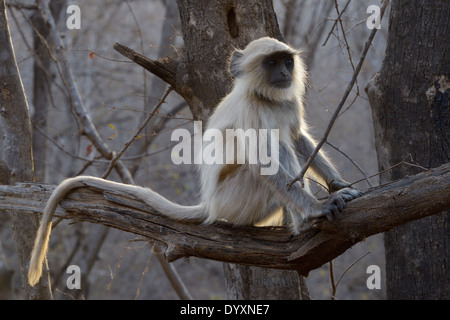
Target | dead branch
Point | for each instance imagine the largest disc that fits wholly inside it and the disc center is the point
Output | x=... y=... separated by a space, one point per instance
x=164 y=68
x=378 y=210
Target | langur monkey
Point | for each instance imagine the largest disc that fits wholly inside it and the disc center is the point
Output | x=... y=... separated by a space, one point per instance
x=268 y=92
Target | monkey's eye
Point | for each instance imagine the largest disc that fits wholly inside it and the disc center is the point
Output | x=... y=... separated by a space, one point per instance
x=271 y=63
x=289 y=62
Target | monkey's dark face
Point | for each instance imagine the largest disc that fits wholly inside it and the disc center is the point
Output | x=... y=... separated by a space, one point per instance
x=279 y=67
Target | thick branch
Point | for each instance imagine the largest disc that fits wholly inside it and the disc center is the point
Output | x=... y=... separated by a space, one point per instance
x=379 y=210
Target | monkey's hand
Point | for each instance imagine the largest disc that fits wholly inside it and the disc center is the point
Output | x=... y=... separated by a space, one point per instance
x=337 y=185
x=336 y=202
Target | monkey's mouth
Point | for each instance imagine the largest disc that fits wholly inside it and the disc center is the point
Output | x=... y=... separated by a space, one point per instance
x=282 y=84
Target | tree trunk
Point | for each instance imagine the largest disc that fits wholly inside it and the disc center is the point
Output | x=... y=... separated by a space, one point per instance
x=411 y=114
x=254 y=283
x=42 y=78
x=211 y=30
x=17 y=152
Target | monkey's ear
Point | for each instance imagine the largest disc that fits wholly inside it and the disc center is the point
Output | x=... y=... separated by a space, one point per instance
x=235 y=66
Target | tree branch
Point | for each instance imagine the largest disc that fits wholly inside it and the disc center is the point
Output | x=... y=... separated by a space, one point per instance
x=378 y=210
x=164 y=68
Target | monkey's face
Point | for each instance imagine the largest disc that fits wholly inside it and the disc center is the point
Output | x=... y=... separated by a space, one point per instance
x=269 y=69
x=278 y=68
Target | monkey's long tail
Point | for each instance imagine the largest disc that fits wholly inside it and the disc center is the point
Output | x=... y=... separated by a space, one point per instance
x=153 y=199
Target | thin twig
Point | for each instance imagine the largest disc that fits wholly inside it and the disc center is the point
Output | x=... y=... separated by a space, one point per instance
x=141 y=281
x=133 y=138
x=347 y=47
x=98 y=158
x=335 y=285
x=21 y=6
x=392 y=167
x=349 y=267
x=335 y=23
x=353 y=162
x=141 y=38
x=341 y=103
x=113 y=273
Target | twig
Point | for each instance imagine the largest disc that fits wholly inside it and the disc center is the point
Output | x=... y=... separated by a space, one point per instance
x=349 y=267
x=113 y=273
x=172 y=274
x=141 y=38
x=133 y=138
x=138 y=291
x=347 y=47
x=333 y=285
x=341 y=103
x=20 y=6
x=353 y=162
x=335 y=23
x=392 y=167
x=98 y=158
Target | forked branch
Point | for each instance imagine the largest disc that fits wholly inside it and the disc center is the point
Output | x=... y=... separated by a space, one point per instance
x=378 y=210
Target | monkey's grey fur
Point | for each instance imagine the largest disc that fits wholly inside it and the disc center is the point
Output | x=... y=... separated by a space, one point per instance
x=238 y=193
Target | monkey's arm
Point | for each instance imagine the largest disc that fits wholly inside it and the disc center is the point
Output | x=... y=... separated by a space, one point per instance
x=321 y=165
x=299 y=199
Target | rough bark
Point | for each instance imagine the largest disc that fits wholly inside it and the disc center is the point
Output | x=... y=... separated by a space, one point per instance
x=379 y=210
x=17 y=154
x=411 y=114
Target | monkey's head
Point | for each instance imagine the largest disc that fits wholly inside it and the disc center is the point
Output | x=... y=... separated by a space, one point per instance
x=269 y=69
